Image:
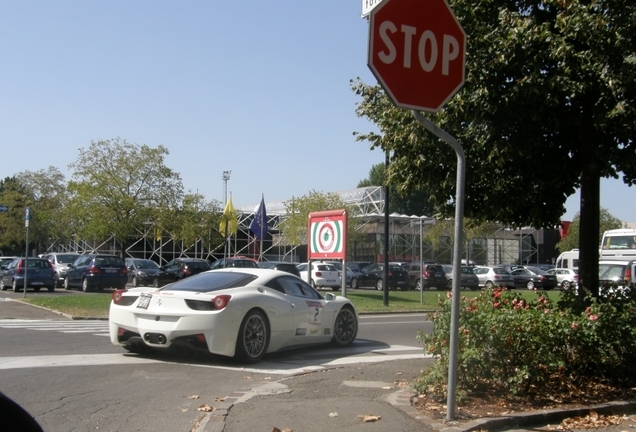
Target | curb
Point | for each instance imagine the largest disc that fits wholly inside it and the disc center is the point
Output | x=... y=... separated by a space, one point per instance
x=71 y=317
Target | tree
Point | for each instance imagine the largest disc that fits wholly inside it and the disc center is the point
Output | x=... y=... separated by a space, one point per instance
x=571 y=240
x=294 y=227
x=12 y=230
x=117 y=187
x=548 y=105
x=411 y=203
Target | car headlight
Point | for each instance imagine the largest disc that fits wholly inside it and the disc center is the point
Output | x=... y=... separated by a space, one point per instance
x=141 y=274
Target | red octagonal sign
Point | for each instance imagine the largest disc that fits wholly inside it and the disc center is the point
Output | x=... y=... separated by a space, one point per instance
x=416 y=52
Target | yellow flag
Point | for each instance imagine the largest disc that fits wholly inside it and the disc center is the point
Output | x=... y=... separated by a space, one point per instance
x=229 y=221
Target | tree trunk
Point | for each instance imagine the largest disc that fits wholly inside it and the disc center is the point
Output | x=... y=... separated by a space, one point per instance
x=589 y=223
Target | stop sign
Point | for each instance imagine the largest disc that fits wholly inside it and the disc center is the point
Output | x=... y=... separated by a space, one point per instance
x=416 y=52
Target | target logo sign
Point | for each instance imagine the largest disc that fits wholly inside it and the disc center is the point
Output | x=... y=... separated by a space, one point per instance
x=327 y=234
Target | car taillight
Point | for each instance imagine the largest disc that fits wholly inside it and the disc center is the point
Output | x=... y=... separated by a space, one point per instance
x=123 y=271
x=187 y=272
x=318 y=274
x=118 y=294
x=94 y=270
x=496 y=276
x=628 y=274
x=390 y=273
x=542 y=279
x=575 y=277
x=427 y=274
x=20 y=268
x=221 y=301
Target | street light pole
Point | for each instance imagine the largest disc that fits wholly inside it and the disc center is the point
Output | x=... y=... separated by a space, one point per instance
x=226 y=177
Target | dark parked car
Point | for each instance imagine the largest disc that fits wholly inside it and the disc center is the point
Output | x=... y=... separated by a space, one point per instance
x=281 y=266
x=181 y=268
x=96 y=271
x=5 y=261
x=146 y=272
x=431 y=276
x=468 y=277
x=533 y=277
x=237 y=261
x=39 y=274
x=60 y=263
x=357 y=266
x=372 y=276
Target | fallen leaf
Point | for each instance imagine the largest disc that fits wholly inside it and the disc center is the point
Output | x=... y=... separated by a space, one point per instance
x=193 y=397
x=205 y=408
x=217 y=399
x=184 y=409
x=366 y=418
x=387 y=388
x=333 y=414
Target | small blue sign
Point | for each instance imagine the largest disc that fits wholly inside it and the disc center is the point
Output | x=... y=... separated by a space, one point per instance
x=4 y=208
x=28 y=214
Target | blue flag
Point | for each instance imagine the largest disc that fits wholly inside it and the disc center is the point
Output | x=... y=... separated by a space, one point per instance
x=259 y=224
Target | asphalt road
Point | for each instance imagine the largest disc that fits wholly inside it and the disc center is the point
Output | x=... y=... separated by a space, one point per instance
x=70 y=378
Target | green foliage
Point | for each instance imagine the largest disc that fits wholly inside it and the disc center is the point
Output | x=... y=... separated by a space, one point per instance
x=294 y=228
x=412 y=203
x=571 y=240
x=118 y=187
x=507 y=343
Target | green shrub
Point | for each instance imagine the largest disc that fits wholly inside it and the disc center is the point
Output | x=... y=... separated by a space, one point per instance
x=509 y=344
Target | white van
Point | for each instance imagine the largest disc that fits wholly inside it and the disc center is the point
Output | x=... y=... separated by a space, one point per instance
x=619 y=244
x=569 y=260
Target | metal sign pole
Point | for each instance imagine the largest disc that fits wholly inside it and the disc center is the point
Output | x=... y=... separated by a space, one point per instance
x=27 y=218
x=457 y=257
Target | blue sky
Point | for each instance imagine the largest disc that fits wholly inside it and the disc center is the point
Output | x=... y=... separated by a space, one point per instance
x=259 y=88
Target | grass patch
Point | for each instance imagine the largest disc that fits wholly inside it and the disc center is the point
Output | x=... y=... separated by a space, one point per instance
x=97 y=304
x=413 y=301
x=84 y=305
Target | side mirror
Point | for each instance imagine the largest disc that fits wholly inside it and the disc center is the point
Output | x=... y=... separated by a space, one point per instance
x=330 y=296
x=70 y=265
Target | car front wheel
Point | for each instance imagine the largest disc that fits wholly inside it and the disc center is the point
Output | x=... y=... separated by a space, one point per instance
x=565 y=285
x=67 y=285
x=530 y=285
x=418 y=285
x=155 y=282
x=135 y=281
x=3 y=287
x=354 y=283
x=345 y=328
x=253 y=337
x=379 y=285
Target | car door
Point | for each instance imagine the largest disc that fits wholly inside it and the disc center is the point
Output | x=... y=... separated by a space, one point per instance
x=74 y=274
x=521 y=277
x=368 y=277
x=312 y=321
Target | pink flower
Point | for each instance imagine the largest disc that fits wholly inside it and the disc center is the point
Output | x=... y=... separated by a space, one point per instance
x=496 y=304
x=593 y=317
x=574 y=325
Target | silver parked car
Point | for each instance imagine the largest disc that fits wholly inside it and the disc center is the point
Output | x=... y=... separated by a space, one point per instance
x=566 y=277
x=494 y=276
x=60 y=262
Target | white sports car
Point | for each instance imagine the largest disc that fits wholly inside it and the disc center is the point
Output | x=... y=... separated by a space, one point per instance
x=235 y=312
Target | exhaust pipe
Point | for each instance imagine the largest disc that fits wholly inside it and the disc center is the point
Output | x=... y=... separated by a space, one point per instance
x=155 y=338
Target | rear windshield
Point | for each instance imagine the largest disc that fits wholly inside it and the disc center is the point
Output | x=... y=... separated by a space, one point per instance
x=108 y=261
x=499 y=270
x=212 y=281
x=467 y=270
x=199 y=265
x=66 y=259
x=326 y=267
x=39 y=263
x=435 y=268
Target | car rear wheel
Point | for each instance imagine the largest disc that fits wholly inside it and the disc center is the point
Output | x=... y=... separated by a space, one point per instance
x=135 y=281
x=379 y=285
x=85 y=285
x=155 y=282
x=418 y=285
x=253 y=337
x=530 y=285
x=565 y=285
x=3 y=287
x=449 y=284
x=489 y=284
x=15 y=286
x=67 y=285
x=354 y=283
x=345 y=328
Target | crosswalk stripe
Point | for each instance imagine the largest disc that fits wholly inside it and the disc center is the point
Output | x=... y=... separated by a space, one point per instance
x=96 y=327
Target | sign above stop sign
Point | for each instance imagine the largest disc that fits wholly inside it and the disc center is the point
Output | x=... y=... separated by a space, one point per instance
x=416 y=52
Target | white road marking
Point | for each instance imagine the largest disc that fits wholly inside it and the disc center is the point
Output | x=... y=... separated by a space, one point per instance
x=96 y=327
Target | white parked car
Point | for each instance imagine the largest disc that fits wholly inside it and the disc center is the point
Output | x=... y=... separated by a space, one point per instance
x=323 y=275
x=235 y=312
x=566 y=277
